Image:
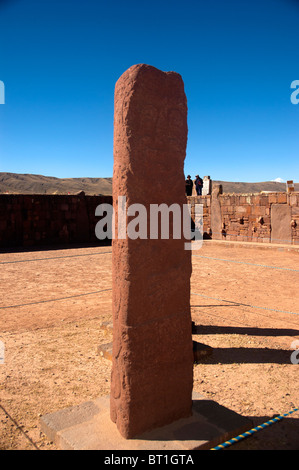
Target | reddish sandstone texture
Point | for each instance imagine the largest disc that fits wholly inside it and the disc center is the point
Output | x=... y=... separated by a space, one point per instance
x=152 y=369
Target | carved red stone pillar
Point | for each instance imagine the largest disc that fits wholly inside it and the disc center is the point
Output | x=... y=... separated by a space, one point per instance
x=152 y=367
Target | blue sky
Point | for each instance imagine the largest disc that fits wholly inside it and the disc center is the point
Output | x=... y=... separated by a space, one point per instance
x=60 y=59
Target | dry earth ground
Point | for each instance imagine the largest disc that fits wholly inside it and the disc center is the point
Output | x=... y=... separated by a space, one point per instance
x=53 y=303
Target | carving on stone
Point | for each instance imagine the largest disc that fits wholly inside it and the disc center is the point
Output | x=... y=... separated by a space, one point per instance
x=152 y=358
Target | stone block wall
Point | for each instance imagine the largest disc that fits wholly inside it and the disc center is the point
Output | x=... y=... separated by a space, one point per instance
x=246 y=218
x=206 y=202
x=35 y=220
x=294 y=204
x=250 y=217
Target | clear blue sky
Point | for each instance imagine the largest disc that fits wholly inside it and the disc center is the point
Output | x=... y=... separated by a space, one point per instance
x=60 y=59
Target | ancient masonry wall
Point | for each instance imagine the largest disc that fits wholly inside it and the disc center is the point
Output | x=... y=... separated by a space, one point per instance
x=264 y=217
x=36 y=220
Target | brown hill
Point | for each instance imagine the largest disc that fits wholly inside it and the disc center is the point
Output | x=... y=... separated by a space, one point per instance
x=247 y=188
x=14 y=183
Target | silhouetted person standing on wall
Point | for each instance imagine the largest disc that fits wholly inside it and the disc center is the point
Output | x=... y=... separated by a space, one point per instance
x=189 y=186
x=198 y=185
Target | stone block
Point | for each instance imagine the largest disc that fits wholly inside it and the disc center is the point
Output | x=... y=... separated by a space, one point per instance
x=282 y=198
x=281 y=216
x=150 y=278
x=105 y=350
x=88 y=427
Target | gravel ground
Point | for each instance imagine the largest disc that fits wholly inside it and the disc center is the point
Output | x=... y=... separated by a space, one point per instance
x=245 y=304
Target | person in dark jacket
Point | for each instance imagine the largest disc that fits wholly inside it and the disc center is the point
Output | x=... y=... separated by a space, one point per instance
x=198 y=185
x=188 y=186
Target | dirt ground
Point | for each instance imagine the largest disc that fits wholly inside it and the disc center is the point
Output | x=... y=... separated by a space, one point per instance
x=245 y=304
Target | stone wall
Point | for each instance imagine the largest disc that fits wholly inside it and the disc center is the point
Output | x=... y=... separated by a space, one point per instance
x=35 y=220
x=263 y=217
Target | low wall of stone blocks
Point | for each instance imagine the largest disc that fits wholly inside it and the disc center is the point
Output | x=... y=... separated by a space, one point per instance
x=263 y=217
x=37 y=220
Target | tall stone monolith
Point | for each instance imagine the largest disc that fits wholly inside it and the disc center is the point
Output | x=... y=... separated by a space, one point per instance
x=152 y=366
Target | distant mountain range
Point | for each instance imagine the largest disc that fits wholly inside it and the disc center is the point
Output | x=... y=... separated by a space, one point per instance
x=247 y=188
x=14 y=183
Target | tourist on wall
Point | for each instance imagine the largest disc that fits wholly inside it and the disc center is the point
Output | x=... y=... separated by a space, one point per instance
x=188 y=185
x=198 y=185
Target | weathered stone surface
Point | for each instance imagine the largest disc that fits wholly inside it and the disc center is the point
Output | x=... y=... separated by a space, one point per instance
x=88 y=427
x=207 y=186
x=152 y=369
x=105 y=350
x=216 y=217
x=106 y=327
x=281 y=230
x=200 y=351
